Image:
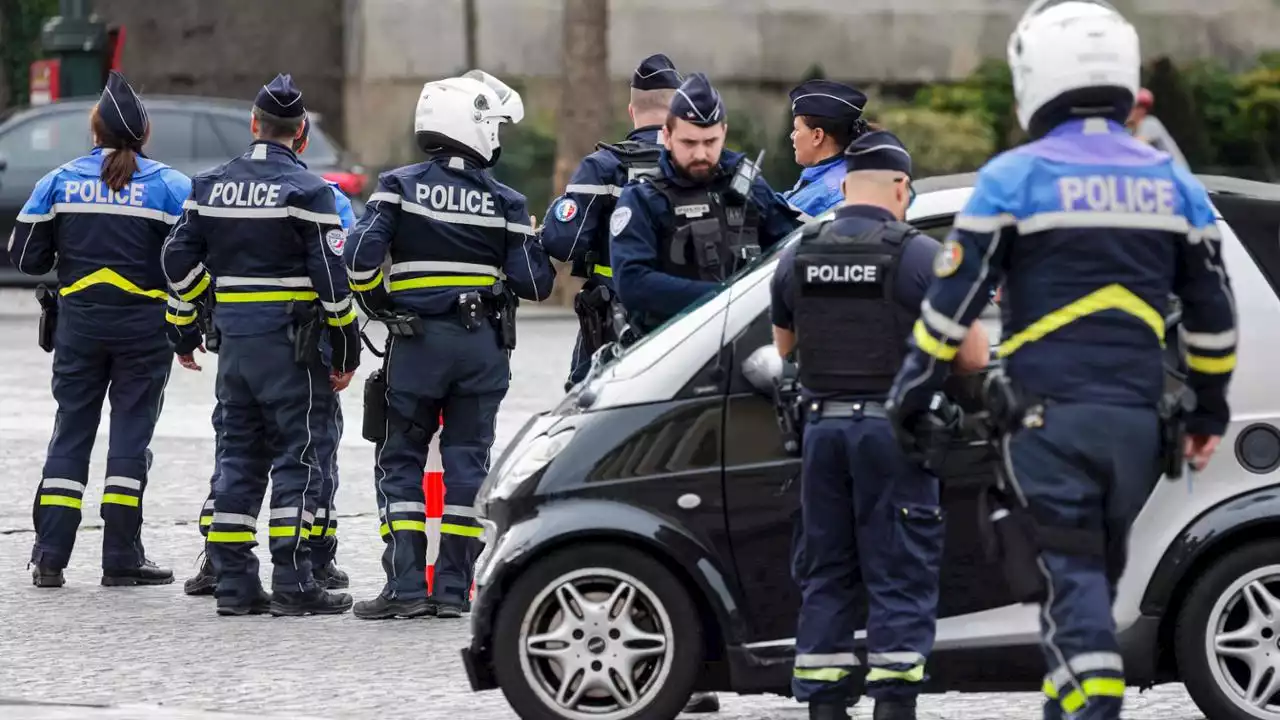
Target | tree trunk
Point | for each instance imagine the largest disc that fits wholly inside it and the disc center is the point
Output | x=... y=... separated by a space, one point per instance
x=584 y=96
x=5 y=67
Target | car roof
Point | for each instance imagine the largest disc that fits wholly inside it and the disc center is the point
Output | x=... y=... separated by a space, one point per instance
x=167 y=102
x=1215 y=184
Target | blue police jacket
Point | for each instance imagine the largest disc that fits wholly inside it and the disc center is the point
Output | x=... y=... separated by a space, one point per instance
x=106 y=245
x=1090 y=230
x=639 y=234
x=449 y=227
x=268 y=232
x=818 y=189
x=578 y=220
x=345 y=214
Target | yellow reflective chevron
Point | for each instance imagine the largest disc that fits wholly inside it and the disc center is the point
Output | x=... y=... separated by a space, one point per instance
x=61 y=500
x=287 y=531
x=118 y=499
x=463 y=530
x=107 y=276
x=218 y=536
x=398 y=525
x=1211 y=365
x=932 y=345
x=179 y=319
x=442 y=281
x=194 y=292
x=343 y=321
x=604 y=270
x=362 y=287
x=1111 y=297
x=830 y=675
x=1093 y=687
x=1050 y=691
x=267 y=296
x=915 y=674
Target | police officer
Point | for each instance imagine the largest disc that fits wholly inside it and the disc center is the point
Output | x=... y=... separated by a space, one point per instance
x=101 y=220
x=459 y=241
x=1112 y=226
x=323 y=540
x=576 y=228
x=844 y=300
x=270 y=233
x=827 y=117
x=675 y=236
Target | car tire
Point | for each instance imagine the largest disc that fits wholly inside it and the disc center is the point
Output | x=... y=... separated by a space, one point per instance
x=659 y=605
x=1217 y=608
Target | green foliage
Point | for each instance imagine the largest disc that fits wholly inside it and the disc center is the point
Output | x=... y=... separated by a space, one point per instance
x=528 y=158
x=20 y=41
x=987 y=95
x=941 y=142
x=1177 y=108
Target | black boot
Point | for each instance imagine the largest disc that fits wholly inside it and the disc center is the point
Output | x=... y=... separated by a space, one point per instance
x=447 y=610
x=702 y=702
x=311 y=602
x=898 y=709
x=203 y=582
x=46 y=577
x=827 y=711
x=235 y=605
x=385 y=608
x=148 y=573
x=329 y=577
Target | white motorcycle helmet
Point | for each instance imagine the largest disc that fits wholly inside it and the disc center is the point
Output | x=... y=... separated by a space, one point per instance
x=464 y=113
x=1079 y=55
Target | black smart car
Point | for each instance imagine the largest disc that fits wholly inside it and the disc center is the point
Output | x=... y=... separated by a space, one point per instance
x=639 y=533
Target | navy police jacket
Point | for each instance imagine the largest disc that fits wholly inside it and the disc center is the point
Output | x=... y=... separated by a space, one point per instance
x=106 y=245
x=448 y=227
x=269 y=234
x=818 y=189
x=642 y=225
x=578 y=221
x=1090 y=231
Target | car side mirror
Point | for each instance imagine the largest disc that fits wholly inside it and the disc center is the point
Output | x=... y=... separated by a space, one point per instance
x=763 y=368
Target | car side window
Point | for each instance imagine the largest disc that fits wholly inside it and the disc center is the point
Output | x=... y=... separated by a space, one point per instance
x=234 y=132
x=172 y=137
x=1256 y=223
x=44 y=143
x=209 y=144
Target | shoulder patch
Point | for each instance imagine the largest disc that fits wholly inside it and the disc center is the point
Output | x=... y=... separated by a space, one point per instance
x=618 y=221
x=948 y=259
x=337 y=239
x=565 y=210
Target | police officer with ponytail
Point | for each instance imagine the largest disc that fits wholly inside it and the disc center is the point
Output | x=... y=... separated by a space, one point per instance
x=101 y=220
x=844 y=300
x=827 y=116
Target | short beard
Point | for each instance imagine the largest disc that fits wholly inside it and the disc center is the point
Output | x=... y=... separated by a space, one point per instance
x=701 y=173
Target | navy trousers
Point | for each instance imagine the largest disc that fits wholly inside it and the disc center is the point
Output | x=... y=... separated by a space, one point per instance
x=465 y=375
x=1088 y=467
x=132 y=374
x=269 y=402
x=871 y=517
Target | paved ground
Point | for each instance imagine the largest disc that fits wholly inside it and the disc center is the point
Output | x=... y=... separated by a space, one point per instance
x=96 y=652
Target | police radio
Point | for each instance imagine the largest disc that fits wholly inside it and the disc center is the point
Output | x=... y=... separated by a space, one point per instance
x=745 y=175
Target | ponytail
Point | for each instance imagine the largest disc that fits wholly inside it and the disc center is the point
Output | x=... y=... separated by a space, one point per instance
x=118 y=166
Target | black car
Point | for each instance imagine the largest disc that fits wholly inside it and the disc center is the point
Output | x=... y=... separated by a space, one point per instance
x=638 y=535
x=190 y=134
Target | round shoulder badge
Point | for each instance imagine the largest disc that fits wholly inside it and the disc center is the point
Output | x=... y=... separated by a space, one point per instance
x=948 y=259
x=619 y=220
x=566 y=210
x=337 y=239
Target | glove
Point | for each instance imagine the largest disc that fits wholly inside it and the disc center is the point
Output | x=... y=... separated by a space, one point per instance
x=185 y=338
x=926 y=436
x=345 y=343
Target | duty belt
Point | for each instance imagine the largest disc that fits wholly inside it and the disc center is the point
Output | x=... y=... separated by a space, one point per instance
x=845 y=409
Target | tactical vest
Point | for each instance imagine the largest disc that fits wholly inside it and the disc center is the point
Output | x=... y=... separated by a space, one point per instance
x=714 y=232
x=636 y=160
x=851 y=334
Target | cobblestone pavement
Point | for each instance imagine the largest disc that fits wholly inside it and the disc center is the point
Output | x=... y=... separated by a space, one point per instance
x=154 y=653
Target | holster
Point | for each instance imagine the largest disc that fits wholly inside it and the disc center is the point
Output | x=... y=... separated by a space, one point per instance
x=788 y=408
x=1174 y=406
x=48 y=300
x=591 y=305
x=401 y=324
x=306 y=334
x=374 y=427
x=212 y=337
x=503 y=316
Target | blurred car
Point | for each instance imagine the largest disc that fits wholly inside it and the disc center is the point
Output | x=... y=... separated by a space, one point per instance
x=189 y=133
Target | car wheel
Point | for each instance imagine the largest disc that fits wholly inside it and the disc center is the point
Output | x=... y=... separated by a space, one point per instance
x=1228 y=636
x=598 y=631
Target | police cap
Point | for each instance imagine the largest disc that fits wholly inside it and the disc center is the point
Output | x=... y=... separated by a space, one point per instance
x=121 y=110
x=656 y=72
x=823 y=98
x=879 y=150
x=697 y=102
x=281 y=98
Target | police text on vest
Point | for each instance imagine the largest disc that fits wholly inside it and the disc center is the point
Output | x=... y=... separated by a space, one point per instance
x=96 y=191
x=841 y=273
x=1108 y=193
x=245 y=194
x=455 y=199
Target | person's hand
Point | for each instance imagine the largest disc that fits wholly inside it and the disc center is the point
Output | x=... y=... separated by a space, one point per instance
x=1199 y=448
x=188 y=361
x=533 y=222
x=339 y=381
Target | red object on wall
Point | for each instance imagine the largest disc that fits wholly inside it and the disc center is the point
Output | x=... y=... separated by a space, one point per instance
x=114 y=49
x=43 y=81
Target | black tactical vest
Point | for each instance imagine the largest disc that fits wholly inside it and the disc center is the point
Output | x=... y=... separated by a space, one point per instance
x=713 y=232
x=851 y=335
x=635 y=160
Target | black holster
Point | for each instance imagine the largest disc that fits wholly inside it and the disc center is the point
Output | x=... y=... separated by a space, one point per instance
x=595 y=317
x=503 y=316
x=1174 y=406
x=374 y=427
x=212 y=337
x=306 y=334
x=48 y=300
x=1010 y=538
x=788 y=407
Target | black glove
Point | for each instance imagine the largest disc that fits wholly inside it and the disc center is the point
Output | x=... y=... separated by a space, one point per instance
x=345 y=342
x=184 y=339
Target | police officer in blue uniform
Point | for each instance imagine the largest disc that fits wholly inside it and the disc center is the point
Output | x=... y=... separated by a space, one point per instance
x=460 y=243
x=844 y=300
x=101 y=220
x=271 y=236
x=576 y=227
x=1090 y=231
x=323 y=540
x=827 y=117
x=675 y=236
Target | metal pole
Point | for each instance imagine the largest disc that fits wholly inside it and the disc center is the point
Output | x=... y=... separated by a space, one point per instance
x=469 y=28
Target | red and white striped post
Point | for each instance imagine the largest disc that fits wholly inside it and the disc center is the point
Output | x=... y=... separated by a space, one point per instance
x=433 y=489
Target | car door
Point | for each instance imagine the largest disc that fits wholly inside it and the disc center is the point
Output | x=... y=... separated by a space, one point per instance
x=762 y=501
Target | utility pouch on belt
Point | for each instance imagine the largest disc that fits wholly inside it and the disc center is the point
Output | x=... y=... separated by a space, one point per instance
x=374 y=428
x=471 y=311
x=505 y=317
x=212 y=337
x=707 y=243
x=48 y=300
x=591 y=305
x=1009 y=537
x=306 y=335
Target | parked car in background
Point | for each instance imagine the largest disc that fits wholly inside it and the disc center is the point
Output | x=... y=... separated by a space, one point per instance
x=189 y=133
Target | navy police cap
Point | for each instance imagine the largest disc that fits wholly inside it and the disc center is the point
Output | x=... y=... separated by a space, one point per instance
x=697 y=102
x=879 y=150
x=656 y=72
x=121 y=110
x=281 y=98
x=823 y=98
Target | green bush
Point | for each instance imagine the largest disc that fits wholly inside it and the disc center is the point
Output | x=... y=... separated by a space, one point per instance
x=940 y=142
x=20 y=42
